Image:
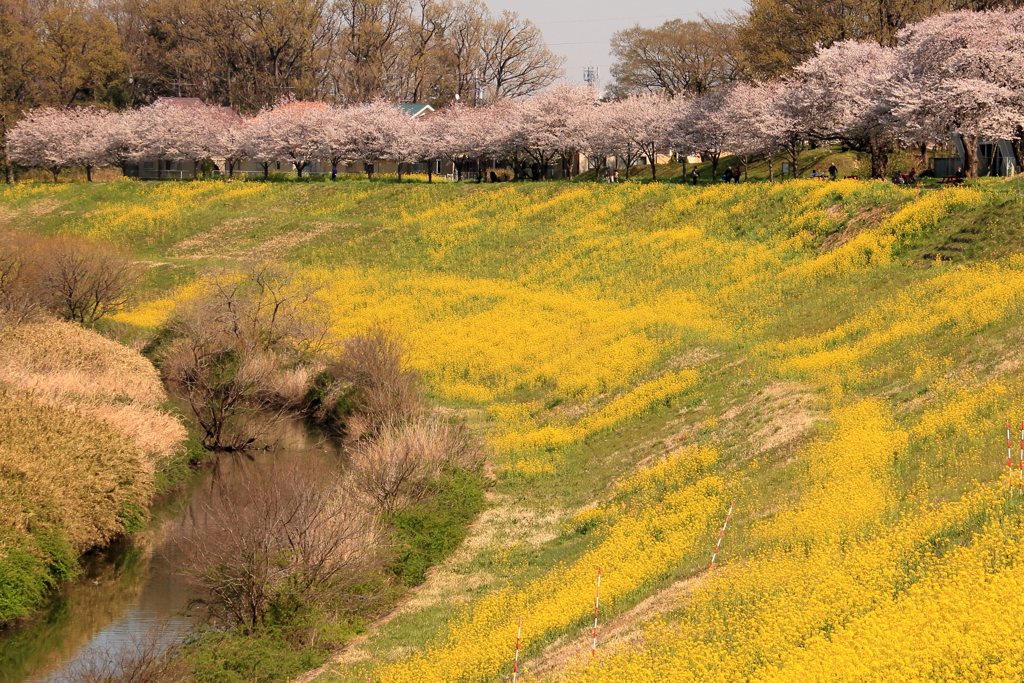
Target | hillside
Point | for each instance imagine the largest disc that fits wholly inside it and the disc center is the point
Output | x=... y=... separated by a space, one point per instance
x=81 y=432
x=838 y=358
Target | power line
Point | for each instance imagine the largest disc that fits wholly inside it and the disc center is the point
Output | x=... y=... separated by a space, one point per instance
x=652 y=16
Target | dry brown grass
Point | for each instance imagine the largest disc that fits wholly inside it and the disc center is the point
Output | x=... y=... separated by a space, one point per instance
x=63 y=365
x=63 y=468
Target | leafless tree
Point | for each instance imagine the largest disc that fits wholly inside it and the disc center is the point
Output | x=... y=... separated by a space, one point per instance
x=153 y=656
x=517 y=61
x=238 y=347
x=84 y=281
x=402 y=463
x=279 y=538
x=372 y=373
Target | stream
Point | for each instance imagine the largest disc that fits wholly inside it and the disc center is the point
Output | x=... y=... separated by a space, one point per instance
x=134 y=587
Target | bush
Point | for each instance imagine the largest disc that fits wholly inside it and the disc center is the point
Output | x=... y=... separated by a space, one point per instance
x=243 y=354
x=76 y=280
x=368 y=387
x=403 y=463
x=277 y=542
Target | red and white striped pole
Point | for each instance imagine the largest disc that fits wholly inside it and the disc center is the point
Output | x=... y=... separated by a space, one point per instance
x=721 y=535
x=1009 y=456
x=1021 y=458
x=597 y=605
x=515 y=662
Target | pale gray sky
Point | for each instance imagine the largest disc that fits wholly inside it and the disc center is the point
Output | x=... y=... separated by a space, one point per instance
x=581 y=30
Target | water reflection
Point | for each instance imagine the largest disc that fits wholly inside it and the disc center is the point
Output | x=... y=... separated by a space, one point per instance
x=135 y=586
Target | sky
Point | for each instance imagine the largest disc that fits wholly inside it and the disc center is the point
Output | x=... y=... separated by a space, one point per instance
x=581 y=30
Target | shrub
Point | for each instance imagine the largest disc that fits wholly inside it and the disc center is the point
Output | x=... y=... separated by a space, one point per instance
x=369 y=387
x=84 y=281
x=241 y=354
x=278 y=541
x=74 y=279
x=404 y=462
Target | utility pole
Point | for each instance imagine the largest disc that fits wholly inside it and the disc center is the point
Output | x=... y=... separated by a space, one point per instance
x=590 y=76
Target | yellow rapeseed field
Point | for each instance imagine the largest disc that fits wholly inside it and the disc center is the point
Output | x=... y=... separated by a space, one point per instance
x=877 y=543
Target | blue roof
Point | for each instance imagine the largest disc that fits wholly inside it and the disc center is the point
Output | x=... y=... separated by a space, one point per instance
x=414 y=110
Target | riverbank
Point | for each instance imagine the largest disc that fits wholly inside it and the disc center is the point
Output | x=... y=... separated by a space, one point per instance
x=84 y=430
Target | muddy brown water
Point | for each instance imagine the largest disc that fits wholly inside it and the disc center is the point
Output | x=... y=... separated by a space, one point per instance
x=135 y=587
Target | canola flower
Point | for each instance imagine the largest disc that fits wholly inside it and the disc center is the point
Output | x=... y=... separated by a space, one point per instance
x=650 y=524
x=585 y=294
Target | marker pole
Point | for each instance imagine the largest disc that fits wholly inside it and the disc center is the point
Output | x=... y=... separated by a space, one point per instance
x=597 y=605
x=721 y=534
x=515 y=662
x=1009 y=456
x=1021 y=458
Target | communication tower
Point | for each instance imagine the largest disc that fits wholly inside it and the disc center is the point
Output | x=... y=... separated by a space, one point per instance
x=590 y=76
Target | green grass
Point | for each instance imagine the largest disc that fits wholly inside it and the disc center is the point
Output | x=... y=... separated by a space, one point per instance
x=376 y=226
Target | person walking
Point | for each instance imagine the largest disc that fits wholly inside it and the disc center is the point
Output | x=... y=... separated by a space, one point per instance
x=736 y=175
x=615 y=178
x=833 y=172
x=694 y=176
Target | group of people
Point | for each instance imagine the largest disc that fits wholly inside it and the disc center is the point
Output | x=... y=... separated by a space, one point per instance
x=833 y=173
x=611 y=176
x=905 y=178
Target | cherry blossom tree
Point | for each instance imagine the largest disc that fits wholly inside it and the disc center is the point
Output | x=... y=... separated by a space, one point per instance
x=374 y=130
x=847 y=93
x=287 y=131
x=334 y=137
x=230 y=142
x=60 y=138
x=702 y=125
x=459 y=134
x=748 y=108
x=550 y=124
x=960 y=75
x=598 y=143
x=408 y=143
x=645 y=121
x=617 y=126
x=118 y=138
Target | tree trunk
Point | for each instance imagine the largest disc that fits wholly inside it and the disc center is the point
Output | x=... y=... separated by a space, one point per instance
x=159 y=169
x=266 y=171
x=924 y=158
x=299 y=167
x=88 y=173
x=879 y=159
x=8 y=172
x=771 y=168
x=430 y=171
x=654 y=167
x=399 y=167
x=714 y=167
x=56 y=172
x=970 y=143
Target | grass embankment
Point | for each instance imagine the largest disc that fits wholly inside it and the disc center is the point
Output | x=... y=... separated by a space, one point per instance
x=640 y=355
x=82 y=431
x=848 y=163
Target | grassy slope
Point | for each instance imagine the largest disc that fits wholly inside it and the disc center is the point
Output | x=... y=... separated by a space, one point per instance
x=81 y=432
x=528 y=306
